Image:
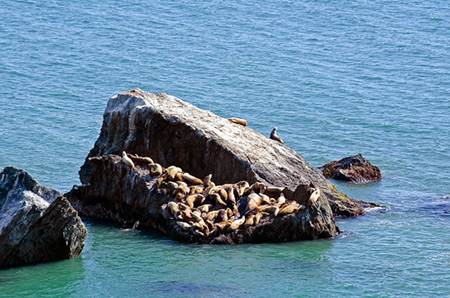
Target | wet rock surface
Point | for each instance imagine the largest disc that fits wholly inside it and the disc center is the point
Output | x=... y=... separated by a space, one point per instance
x=174 y=132
x=36 y=223
x=355 y=169
x=175 y=203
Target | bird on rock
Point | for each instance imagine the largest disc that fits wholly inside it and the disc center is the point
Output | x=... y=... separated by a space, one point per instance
x=274 y=136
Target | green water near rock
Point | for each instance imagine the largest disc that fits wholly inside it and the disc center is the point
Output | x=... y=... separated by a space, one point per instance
x=335 y=78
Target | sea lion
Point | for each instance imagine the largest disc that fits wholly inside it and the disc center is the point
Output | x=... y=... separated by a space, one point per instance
x=223 y=194
x=314 y=196
x=183 y=225
x=216 y=198
x=155 y=169
x=186 y=214
x=179 y=196
x=281 y=199
x=207 y=180
x=195 y=189
x=231 y=196
x=172 y=171
x=165 y=212
x=242 y=187
x=273 y=191
x=136 y=157
x=265 y=198
x=205 y=208
x=230 y=213
x=179 y=176
x=258 y=217
x=223 y=215
x=173 y=207
x=171 y=186
x=213 y=189
x=239 y=121
x=288 y=209
x=182 y=206
x=274 y=136
x=258 y=187
x=192 y=179
x=183 y=187
x=212 y=215
x=197 y=216
x=126 y=160
x=222 y=225
x=191 y=200
x=198 y=233
x=209 y=223
x=272 y=209
x=237 y=223
x=250 y=220
x=253 y=201
x=236 y=210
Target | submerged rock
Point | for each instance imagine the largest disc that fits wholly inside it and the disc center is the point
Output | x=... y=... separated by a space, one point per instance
x=355 y=169
x=36 y=223
x=174 y=132
x=186 y=208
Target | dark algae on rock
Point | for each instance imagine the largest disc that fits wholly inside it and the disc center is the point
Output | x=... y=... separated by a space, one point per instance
x=355 y=169
x=37 y=224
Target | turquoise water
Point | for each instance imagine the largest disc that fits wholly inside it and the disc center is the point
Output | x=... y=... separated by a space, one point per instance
x=335 y=77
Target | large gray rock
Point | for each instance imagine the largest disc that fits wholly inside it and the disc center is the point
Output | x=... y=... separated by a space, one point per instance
x=174 y=132
x=36 y=223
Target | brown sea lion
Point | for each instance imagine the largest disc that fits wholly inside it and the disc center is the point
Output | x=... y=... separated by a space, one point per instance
x=288 y=209
x=172 y=172
x=315 y=195
x=237 y=223
x=198 y=199
x=192 y=179
x=126 y=160
x=155 y=169
x=239 y=121
x=183 y=225
x=242 y=187
x=207 y=180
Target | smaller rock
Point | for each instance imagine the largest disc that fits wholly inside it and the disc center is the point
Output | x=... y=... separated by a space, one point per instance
x=355 y=169
x=37 y=224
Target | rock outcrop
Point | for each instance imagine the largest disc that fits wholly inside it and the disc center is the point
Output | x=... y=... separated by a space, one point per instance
x=36 y=223
x=138 y=192
x=355 y=169
x=174 y=132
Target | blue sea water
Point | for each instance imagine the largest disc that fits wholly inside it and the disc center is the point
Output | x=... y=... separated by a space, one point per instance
x=336 y=78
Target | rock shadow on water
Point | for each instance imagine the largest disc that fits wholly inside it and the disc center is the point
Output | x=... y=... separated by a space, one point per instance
x=439 y=206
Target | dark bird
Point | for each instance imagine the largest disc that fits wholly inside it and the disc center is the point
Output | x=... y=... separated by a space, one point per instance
x=274 y=136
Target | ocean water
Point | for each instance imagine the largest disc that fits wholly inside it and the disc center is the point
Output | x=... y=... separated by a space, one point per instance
x=336 y=77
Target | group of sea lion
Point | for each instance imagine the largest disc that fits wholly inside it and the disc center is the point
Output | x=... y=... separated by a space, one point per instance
x=204 y=209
